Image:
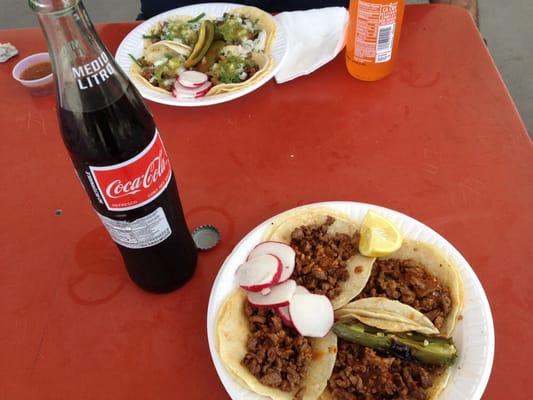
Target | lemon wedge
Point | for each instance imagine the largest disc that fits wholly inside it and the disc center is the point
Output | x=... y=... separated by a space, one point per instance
x=379 y=237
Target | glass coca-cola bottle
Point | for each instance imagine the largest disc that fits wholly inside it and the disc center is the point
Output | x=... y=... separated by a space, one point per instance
x=116 y=150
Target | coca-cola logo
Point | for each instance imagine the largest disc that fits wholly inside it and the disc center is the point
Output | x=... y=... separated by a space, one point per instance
x=137 y=181
x=155 y=170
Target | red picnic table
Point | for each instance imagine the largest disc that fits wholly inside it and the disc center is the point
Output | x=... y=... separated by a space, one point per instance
x=440 y=140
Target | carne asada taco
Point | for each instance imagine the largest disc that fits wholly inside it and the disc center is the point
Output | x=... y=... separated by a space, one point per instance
x=420 y=276
x=268 y=357
x=387 y=350
x=327 y=256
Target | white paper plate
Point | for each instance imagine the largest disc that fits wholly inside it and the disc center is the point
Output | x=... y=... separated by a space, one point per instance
x=474 y=335
x=133 y=44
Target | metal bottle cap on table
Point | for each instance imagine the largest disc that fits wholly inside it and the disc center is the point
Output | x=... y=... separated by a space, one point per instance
x=206 y=237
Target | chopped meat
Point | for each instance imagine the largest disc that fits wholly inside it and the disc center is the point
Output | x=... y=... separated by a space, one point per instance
x=272 y=378
x=276 y=355
x=361 y=373
x=147 y=73
x=251 y=71
x=410 y=283
x=321 y=258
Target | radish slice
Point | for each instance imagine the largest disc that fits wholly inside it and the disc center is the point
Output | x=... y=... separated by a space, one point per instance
x=281 y=250
x=181 y=92
x=311 y=314
x=283 y=312
x=192 y=79
x=301 y=290
x=259 y=273
x=279 y=296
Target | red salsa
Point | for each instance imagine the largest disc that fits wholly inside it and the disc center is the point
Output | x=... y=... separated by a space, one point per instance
x=37 y=71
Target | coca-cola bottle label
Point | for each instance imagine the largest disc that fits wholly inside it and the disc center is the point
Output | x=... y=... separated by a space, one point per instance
x=144 y=232
x=135 y=182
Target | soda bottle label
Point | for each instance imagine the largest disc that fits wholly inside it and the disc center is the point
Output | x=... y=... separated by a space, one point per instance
x=93 y=73
x=374 y=33
x=141 y=233
x=135 y=182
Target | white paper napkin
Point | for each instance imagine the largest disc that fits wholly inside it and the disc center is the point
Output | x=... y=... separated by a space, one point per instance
x=314 y=38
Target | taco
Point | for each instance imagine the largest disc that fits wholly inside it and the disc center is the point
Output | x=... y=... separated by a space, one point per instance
x=179 y=30
x=160 y=65
x=268 y=357
x=327 y=256
x=232 y=71
x=249 y=27
x=420 y=276
x=387 y=314
x=392 y=355
x=247 y=34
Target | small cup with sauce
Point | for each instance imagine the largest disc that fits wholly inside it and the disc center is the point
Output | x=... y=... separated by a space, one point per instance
x=35 y=73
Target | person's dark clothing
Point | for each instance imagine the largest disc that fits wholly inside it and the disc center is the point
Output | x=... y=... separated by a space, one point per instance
x=149 y=8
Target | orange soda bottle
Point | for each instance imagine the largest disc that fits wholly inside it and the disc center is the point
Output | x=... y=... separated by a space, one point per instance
x=372 y=37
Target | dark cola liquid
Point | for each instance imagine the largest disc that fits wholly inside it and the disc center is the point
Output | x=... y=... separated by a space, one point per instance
x=113 y=126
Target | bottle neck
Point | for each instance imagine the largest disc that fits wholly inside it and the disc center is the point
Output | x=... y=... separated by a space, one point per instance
x=87 y=77
x=51 y=6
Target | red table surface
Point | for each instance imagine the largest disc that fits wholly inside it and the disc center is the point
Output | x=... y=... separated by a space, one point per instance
x=440 y=140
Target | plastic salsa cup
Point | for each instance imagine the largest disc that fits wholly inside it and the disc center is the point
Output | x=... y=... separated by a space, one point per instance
x=37 y=87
